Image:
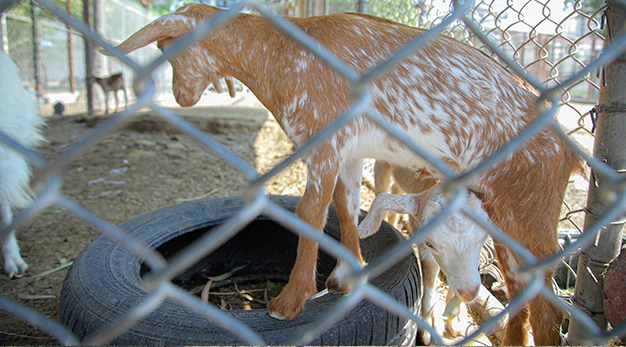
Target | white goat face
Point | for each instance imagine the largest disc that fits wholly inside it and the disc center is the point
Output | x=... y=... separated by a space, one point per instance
x=455 y=244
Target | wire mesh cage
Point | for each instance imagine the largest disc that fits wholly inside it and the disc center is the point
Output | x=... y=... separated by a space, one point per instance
x=557 y=50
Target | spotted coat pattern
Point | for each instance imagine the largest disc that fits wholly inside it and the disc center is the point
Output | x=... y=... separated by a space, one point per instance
x=450 y=98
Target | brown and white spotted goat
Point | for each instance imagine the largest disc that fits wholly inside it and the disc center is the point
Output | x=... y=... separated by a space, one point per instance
x=449 y=97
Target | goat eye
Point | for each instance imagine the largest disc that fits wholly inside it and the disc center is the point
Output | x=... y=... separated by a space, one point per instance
x=429 y=245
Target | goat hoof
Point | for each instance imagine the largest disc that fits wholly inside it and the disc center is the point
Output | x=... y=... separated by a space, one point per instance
x=277 y=315
x=336 y=282
x=336 y=287
x=289 y=302
x=285 y=309
x=15 y=270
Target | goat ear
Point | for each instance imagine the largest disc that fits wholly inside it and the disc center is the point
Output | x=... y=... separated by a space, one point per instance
x=231 y=87
x=169 y=26
x=230 y=83
x=383 y=203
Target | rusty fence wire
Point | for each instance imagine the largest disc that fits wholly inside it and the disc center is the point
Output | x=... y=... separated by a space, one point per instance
x=460 y=19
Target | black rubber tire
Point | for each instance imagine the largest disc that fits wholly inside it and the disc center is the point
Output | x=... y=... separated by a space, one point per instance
x=105 y=281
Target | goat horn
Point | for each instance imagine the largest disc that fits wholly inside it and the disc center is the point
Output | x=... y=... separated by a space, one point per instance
x=168 y=26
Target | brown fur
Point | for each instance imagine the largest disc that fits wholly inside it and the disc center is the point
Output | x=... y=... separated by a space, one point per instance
x=113 y=83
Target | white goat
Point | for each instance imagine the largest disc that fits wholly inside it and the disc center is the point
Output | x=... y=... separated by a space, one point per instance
x=448 y=97
x=19 y=119
x=453 y=247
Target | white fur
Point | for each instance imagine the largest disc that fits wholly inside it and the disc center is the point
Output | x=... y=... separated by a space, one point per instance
x=19 y=119
x=455 y=242
x=452 y=247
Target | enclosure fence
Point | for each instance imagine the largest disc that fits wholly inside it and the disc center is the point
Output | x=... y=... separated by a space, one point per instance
x=51 y=54
x=479 y=24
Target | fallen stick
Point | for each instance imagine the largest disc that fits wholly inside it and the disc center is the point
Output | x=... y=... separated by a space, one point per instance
x=25 y=296
x=196 y=198
x=58 y=268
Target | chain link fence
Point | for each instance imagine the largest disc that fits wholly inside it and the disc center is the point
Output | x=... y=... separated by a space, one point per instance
x=51 y=55
x=560 y=57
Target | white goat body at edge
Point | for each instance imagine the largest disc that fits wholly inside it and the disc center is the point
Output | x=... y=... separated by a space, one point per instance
x=19 y=119
x=450 y=98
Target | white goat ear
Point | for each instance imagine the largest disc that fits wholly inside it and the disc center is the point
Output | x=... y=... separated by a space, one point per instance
x=169 y=26
x=383 y=203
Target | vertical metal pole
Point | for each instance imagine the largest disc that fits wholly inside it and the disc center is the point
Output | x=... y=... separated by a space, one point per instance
x=611 y=148
x=362 y=6
x=70 y=51
x=4 y=36
x=99 y=61
x=89 y=53
x=36 y=57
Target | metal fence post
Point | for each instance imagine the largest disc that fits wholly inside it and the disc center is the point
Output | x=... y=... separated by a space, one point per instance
x=70 y=51
x=611 y=148
x=89 y=53
x=36 y=55
x=4 y=37
x=362 y=6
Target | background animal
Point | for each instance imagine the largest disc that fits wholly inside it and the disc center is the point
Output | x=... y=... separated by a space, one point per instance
x=19 y=119
x=450 y=98
x=113 y=83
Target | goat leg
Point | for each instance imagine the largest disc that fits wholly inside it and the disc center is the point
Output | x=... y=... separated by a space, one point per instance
x=346 y=200
x=313 y=209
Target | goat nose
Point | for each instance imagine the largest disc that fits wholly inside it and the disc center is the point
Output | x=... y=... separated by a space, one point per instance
x=468 y=295
x=184 y=100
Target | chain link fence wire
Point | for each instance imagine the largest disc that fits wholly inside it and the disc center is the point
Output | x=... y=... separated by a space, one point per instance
x=530 y=55
x=550 y=40
x=51 y=54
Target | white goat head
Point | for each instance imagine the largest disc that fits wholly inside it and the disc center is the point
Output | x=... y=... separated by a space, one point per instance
x=454 y=243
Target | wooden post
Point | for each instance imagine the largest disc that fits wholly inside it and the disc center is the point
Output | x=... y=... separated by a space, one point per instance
x=610 y=147
x=362 y=6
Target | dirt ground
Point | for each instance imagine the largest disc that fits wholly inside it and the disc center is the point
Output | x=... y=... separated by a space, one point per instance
x=143 y=167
